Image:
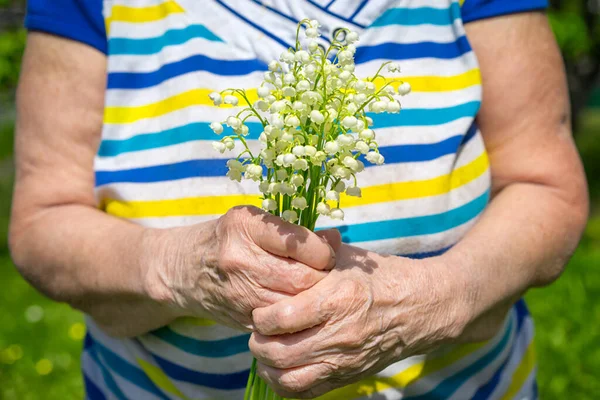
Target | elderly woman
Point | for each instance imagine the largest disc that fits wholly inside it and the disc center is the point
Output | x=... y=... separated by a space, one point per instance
x=122 y=209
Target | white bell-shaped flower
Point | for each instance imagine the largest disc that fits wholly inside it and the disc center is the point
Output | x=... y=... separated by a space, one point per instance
x=219 y=146
x=216 y=98
x=269 y=205
x=354 y=191
x=299 y=203
x=323 y=208
x=332 y=195
x=336 y=213
x=404 y=89
x=216 y=127
x=290 y=216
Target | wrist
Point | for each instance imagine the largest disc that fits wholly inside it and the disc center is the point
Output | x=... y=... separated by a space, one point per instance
x=455 y=292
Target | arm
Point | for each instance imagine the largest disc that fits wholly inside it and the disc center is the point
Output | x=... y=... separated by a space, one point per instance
x=128 y=278
x=356 y=323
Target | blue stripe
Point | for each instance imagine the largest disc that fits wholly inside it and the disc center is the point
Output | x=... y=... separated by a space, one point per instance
x=141 y=80
x=218 y=167
x=212 y=349
x=169 y=137
x=325 y=10
x=450 y=385
x=121 y=46
x=414 y=226
x=421 y=256
x=201 y=130
x=419 y=16
x=486 y=390
x=425 y=116
x=232 y=381
x=127 y=371
x=281 y=14
x=108 y=379
x=359 y=9
x=92 y=392
x=391 y=51
x=411 y=51
x=255 y=26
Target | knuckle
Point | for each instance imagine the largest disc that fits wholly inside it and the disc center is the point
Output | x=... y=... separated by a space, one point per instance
x=294 y=382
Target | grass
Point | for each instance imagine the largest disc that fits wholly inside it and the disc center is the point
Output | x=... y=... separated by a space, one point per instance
x=40 y=340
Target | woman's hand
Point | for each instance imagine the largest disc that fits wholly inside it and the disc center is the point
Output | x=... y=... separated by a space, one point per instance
x=244 y=260
x=368 y=313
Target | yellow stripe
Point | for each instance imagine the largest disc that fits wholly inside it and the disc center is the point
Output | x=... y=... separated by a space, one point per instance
x=199 y=97
x=142 y=14
x=373 y=385
x=195 y=322
x=216 y=205
x=521 y=373
x=158 y=377
x=439 y=83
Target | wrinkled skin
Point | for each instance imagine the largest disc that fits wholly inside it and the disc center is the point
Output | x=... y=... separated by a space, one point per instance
x=369 y=312
x=248 y=259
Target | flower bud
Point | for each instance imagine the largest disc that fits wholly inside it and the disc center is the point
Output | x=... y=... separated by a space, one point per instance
x=264 y=187
x=269 y=205
x=297 y=180
x=298 y=151
x=331 y=147
x=323 y=208
x=292 y=121
x=375 y=158
x=229 y=143
x=316 y=117
x=302 y=56
x=404 y=89
x=299 y=203
x=349 y=122
x=340 y=187
x=288 y=91
x=288 y=159
x=351 y=163
x=354 y=191
x=362 y=147
x=300 y=164
x=281 y=174
x=310 y=150
x=263 y=91
x=393 y=107
x=332 y=195
x=351 y=37
x=367 y=134
x=216 y=127
x=336 y=213
x=234 y=122
x=290 y=216
x=230 y=99
x=303 y=86
x=216 y=98
x=273 y=66
x=219 y=146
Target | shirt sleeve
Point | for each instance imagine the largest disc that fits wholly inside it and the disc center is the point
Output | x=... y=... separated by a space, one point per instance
x=473 y=10
x=79 y=20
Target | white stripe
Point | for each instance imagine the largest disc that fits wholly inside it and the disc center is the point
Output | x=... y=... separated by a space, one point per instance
x=93 y=372
x=150 y=29
x=203 y=150
x=470 y=387
x=413 y=34
x=221 y=186
x=515 y=359
x=428 y=383
x=209 y=365
x=171 y=54
x=372 y=213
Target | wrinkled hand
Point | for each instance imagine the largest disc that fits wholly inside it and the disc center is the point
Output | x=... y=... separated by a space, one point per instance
x=244 y=260
x=369 y=312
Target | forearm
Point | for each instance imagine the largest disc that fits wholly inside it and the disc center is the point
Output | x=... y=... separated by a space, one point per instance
x=96 y=263
x=523 y=240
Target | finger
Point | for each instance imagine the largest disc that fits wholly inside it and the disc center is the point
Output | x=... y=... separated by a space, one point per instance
x=305 y=382
x=332 y=236
x=292 y=241
x=303 y=311
x=286 y=275
x=288 y=351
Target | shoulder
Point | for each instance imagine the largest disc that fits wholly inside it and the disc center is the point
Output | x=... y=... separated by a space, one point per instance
x=80 y=20
x=473 y=10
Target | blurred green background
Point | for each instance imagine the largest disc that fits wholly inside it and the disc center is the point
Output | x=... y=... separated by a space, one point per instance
x=40 y=340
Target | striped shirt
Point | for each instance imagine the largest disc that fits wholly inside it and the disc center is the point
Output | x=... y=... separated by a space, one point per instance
x=156 y=167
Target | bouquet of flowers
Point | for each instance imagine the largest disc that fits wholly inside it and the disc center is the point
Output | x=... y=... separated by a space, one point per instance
x=315 y=133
